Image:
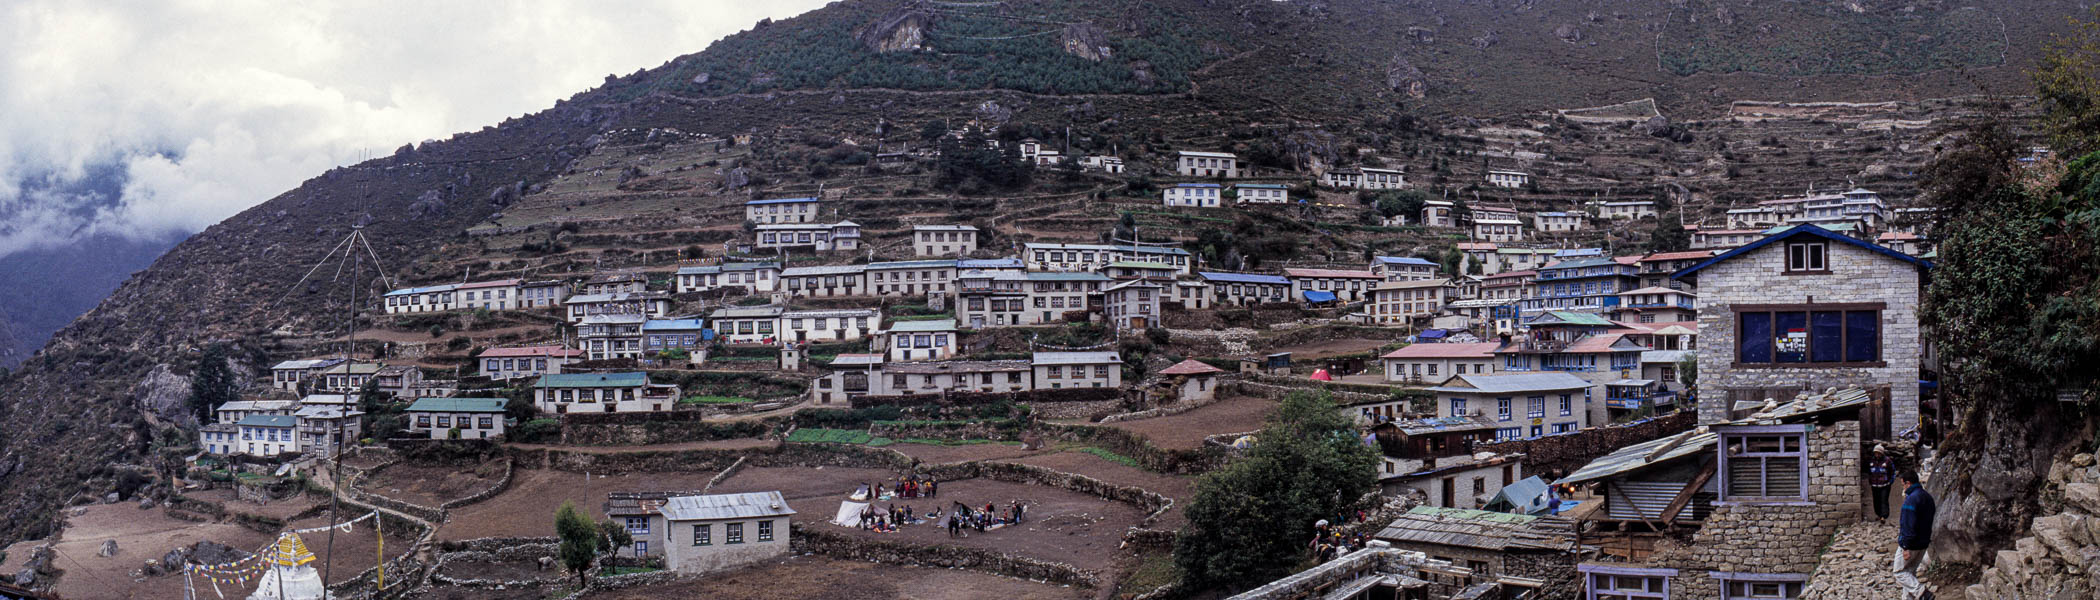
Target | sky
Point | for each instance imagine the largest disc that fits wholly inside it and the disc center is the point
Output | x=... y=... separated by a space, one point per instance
x=152 y=120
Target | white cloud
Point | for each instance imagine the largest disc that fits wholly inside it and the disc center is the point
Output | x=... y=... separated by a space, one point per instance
x=212 y=106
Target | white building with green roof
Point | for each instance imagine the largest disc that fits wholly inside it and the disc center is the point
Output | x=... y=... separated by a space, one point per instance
x=472 y=418
x=566 y=393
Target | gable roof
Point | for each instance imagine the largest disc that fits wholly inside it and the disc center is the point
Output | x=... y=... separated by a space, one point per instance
x=1803 y=230
x=1402 y=260
x=1514 y=382
x=779 y=201
x=530 y=351
x=1190 y=367
x=1243 y=278
x=1446 y=350
x=1565 y=317
x=1349 y=273
x=477 y=405
x=927 y=325
x=268 y=421
x=725 y=506
x=1075 y=358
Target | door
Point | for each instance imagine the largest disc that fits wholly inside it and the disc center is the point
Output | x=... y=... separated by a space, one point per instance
x=1450 y=489
x=1137 y=322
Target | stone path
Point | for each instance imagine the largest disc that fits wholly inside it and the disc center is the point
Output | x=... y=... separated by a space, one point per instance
x=1856 y=566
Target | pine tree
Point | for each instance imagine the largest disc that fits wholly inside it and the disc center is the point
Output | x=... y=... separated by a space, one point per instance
x=212 y=383
x=579 y=540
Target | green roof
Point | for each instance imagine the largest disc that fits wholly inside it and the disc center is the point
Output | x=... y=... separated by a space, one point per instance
x=453 y=405
x=1573 y=318
x=927 y=325
x=593 y=380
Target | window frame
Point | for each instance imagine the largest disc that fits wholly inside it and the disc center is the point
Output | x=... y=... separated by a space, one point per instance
x=732 y=533
x=765 y=530
x=1819 y=251
x=1808 y=312
x=1591 y=572
x=703 y=534
x=1729 y=433
x=1726 y=579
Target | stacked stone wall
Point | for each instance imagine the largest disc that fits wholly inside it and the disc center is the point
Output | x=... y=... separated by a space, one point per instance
x=2062 y=558
x=847 y=547
x=1775 y=538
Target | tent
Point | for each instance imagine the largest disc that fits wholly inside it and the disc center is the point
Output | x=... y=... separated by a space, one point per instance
x=1316 y=296
x=849 y=513
x=1528 y=497
x=1322 y=375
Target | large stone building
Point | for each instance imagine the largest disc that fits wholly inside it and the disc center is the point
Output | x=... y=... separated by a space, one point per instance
x=1207 y=164
x=1808 y=309
x=943 y=240
x=781 y=210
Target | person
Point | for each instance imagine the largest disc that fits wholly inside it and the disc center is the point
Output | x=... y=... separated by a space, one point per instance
x=955 y=525
x=1913 y=532
x=1018 y=509
x=1881 y=472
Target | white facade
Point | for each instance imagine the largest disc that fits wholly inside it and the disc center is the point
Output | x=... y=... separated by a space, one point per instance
x=1201 y=195
x=841 y=236
x=704 y=534
x=1261 y=193
x=943 y=240
x=1094 y=257
x=1631 y=209
x=1058 y=370
x=1207 y=164
x=910 y=278
x=753 y=277
x=781 y=210
x=601 y=392
x=1132 y=305
x=908 y=341
x=1508 y=179
x=1556 y=222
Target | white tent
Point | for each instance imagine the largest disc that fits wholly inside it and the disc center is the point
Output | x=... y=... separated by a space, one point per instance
x=849 y=514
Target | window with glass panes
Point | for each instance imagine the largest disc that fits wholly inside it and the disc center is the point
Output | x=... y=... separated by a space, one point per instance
x=1809 y=334
x=1632 y=584
x=701 y=535
x=1764 y=462
x=733 y=533
x=1751 y=586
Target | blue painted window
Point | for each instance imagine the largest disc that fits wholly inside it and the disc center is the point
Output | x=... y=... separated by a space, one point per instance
x=1863 y=336
x=1458 y=407
x=1755 y=344
x=1502 y=409
x=1791 y=337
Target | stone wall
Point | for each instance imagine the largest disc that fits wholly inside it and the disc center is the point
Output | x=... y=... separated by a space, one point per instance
x=1032 y=398
x=1776 y=539
x=510 y=468
x=1067 y=411
x=1273 y=389
x=848 y=547
x=625 y=429
x=2062 y=558
x=1856 y=275
x=528 y=552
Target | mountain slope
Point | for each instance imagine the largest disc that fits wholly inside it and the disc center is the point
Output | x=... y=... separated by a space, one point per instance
x=1176 y=72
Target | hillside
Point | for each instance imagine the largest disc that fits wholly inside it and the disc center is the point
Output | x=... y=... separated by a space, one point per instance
x=635 y=173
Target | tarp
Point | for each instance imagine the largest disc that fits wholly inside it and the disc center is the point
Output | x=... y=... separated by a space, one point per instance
x=849 y=514
x=1318 y=296
x=1431 y=334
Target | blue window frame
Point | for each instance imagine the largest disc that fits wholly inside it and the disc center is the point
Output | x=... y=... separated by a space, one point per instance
x=1458 y=407
x=1502 y=409
x=1567 y=404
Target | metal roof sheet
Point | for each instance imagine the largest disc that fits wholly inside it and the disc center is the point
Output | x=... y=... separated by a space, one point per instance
x=928 y=325
x=268 y=421
x=1075 y=358
x=715 y=507
x=1513 y=382
x=779 y=201
x=483 y=405
x=583 y=380
x=1244 y=278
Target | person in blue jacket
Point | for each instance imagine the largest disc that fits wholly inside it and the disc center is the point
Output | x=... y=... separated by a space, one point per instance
x=1913 y=532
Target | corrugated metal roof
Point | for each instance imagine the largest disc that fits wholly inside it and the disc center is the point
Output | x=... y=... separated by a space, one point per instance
x=581 y=380
x=779 y=201
x=1244 y=278
x=857 y=359
x=1075 y=358
x=746 y=312
x=487 y=405
x=1065 y=276
x=1692 y=442
x=1208 y=154
x=530 y=351
x=1481 y=350
x=1348 y=273
x=673 y=324
x=721 y=506
x=268 y=421
x=931 y=325
x=822 y=270
x=1480 y=529
x=1513 y=382
x=249 y=405
x=313 y=363
x=1403 y=260
x=912 y=264
x=990 y=263
x=1666 y=356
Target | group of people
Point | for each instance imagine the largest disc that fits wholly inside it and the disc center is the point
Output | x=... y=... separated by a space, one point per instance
x=991 y=517
x=916 y=486
x=1330 y=542
x=889 y=520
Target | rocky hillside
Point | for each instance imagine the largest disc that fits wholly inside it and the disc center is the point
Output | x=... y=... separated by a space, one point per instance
x=620 y=175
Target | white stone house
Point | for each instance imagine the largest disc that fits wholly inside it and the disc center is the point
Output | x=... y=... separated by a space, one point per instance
x=1556 y=222
x=1523 y=405
x=601 y=392
x=1093 y=257
x=746 y=324
x=1051 y=295
x=1401 y=302
x=825 y=281
x=944 y=377
x=1628 y=209
x=943 y=240
x=614 y=282
x=908 y=341
x=1132 y=305
x=325 y=429
x=843 y=236
x=991 y=298
x=1366 y=178
x=475 y=418
x=704 y=534
x=233 y=411
x=219 y=438
x=1243 y=289
x=289 y=374
x=1198 y=381
x=1437 y=213
x=753 y=277
x=1508 y=179
x=489 y=295
x=611 y=336
x=831 y=325
x=542 y=294
x=1130 y=269
x=1655 y=305
x=435 y=298
x=1201 y=195
x=1057 y=370
x=688 y=334
x=1404 y=268
x=1105 y=164
x=1433 y=363
x=1718 y=239
x=1192 y=294
x=1344 y=285
x=781 y=210
x=1260 y=193
x=1207 y=164
x=345 y=378
x=268 y=435
x=1808 y=309
x=643 y=304
x=911 y=278
x=1497 y=227
x=526 y=361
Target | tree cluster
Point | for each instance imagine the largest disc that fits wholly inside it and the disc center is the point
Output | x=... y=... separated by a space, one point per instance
x=1249 y=522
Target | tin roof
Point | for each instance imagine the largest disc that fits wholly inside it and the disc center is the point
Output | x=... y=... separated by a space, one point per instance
x=929 y=325
x=1403 y=260
x=857 y=359
x=482 y=405
x=549 y=351
x=268 y=421
x=1512 y=382
x=714 y=507
x=1348 y=273
x=1075 y=358
x=1244 y=278
x=1480 y=529
x=1447 y=350
x=779 y=201
x=1667 y=449
x=585 y=380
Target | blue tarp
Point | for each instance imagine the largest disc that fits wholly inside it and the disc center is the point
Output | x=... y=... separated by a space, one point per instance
x=1431 y=334
x=1318 y=296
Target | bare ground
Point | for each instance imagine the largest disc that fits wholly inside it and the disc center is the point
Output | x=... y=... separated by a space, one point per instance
x=527 y=508
x=1187 y=430
x=734 y=444
x=1172 y=486
x=430 y=486
x=821 y=577
x=941 y=454
x=147 y=534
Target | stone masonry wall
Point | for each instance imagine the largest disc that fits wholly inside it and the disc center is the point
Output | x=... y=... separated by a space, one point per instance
x=1775 y=539
x=1856 y=275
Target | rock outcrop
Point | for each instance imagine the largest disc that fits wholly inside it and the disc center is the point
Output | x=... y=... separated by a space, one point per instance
x=2062 y=557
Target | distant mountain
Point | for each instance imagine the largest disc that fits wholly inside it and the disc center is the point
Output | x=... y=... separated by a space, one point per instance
x=43 y=290
x=1162 y=74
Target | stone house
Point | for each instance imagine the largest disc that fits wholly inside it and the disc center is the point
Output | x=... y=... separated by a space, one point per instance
x=1192 y=294
x=325 y=429
x=943 y=240
x=1244 y=289
x=1438 y=213
x=489 y=295
x=1051 y=295
x=1345 y=285
x=842 y=236
x=1509 y=285
x=1627 y=209
x=1905 y=242
x=233 y=411
x=1765 y=494
x=1722 y=239
x=1199 y=195
x=911 y=278
x=611 y=336
x=644 y=304
x=475 y=418
x=288 y=375
x=1497 y=227
x=397 y=380
x=837 y=325
x=1401 y=302
x=1404 y=268
x=1105 y=164
x=1655 y=269
x=688 y=334
x=1493 y=545
x=1523 y=405
x=1194 y=380
x=920 y=340
x=1093 y=257
x=991 y=298
x=781 y=210
x=703 y=534
x=1130 y=269
x=746 y=324
x=565 y=393
x=1056 y=370
x=825 y=281
x=1207 y=164
x=1508 y=179
x=526 y=361
x=219 y=438
x=1809 y=309
x=753 y=277
x=1655 y=305
x=1582 y=284
x=542 y=294
x=1557 y=222
x=1260 y=193
x=268 y=435
x=615 y=282
x=948 y=376
x=435 y=298
x=1433 y=363
x=1132 y=305
x=345 y=378
x=639 y=513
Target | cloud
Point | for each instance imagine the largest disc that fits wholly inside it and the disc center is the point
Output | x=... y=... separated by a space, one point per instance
x=155 y=119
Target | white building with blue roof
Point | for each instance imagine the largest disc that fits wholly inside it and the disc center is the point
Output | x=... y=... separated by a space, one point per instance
x=434 y=298
x=1404 y=268
x=1243 y=289
x=268 y=435
x=1201 y=195
x=1261 y=193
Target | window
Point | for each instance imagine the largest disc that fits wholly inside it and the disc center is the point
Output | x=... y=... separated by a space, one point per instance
x=1057 y=372
x=488 y=423
x=1502 y=409
x=732 y=533
x=641 y=547
x=1567 y=405
x=700 y=535
x=1101 y=370
x=1764 y=463
x=1847 y=334
x=765 y=531
x=1537 y=407
x=1563 y=427
x=1760 y=586
x=1609 y=583
x=1807 y=257
x=1509 y=433
x=1458 y=407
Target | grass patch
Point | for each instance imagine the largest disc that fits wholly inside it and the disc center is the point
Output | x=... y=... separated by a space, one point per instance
x=1111 y=456
x=1155 y=570
x=829 y=436
x=941 y=442
x=714 y=400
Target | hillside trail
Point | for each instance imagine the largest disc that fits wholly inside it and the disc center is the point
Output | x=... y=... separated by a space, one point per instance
x=424 y=550
x=1856 y=565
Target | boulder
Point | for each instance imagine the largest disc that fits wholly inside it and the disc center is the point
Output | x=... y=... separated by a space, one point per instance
x=111 y=498
x=165 y=394
x=25 y=578
x=109 y=549
x=174 y=558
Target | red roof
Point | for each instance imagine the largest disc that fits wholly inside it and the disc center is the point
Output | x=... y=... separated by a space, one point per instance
x=1597 y=343
x=1476 y=246
x=1626 y=260
x=1897 y=235
x=1680 y=255
x=1190 y=367
x=549 y=351
x=1330 y=273
x=1448 y=350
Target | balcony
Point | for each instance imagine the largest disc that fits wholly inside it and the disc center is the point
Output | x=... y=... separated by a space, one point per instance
x=1541 y=346
x=1569 y=368
x=1623 y=403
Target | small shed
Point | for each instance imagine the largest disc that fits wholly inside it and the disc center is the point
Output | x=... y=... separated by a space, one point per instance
x=1196 y=379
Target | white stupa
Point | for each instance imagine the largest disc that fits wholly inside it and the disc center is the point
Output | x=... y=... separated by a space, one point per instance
x=290 y=574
